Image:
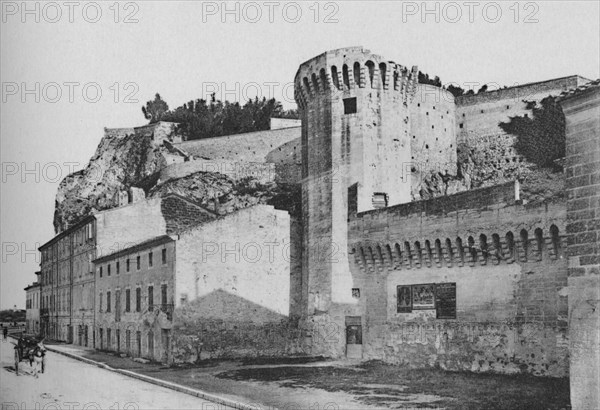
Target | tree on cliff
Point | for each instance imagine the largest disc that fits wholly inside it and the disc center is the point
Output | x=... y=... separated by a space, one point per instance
x=424 y=79
x=154 y=110
x=202 y=119
x=455 y=90
x=540 y=139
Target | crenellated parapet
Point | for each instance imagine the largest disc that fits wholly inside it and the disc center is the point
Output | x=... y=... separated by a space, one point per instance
x=472 y=250
x=345 y=70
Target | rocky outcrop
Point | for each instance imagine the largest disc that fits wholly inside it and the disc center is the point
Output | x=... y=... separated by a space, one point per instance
x=120 y=162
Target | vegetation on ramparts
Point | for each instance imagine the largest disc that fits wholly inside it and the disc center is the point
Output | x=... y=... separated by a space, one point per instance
x=540 y=138
x=202 y=119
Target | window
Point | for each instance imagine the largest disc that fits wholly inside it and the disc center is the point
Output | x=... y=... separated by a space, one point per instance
x=350 y=105
x=150 y=298
x=100 y=304
x=150 y=259
x=138 y=299
x=356 y=293
x=118 y=267
x=127 y=300
x=127 y=265
x=138 y=262
x=108 y=301
x=100 y=271
x=164 y=256
x=108 y=270
x=460 y=125
x=555 y=239
x=380 y=200
x=163 y=294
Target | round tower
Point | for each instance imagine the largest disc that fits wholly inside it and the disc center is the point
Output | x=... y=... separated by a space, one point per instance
x=356 y=156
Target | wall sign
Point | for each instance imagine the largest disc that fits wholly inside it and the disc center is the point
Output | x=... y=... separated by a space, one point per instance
x=445 y=294
x=423 y=296
x=438 y=296
x=404 y=299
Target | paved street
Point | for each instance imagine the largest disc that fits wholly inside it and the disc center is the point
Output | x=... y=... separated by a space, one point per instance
x=70 y=384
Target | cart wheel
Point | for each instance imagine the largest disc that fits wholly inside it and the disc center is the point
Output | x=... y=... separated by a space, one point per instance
x=17 y=362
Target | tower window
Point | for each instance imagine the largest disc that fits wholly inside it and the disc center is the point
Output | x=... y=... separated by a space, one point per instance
x=380 y=200
x=350 y=105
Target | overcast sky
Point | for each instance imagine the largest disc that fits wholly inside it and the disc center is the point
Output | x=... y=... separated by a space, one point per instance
x=185 y=50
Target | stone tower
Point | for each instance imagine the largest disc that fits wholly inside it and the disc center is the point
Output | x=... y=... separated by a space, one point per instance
x=356 y=156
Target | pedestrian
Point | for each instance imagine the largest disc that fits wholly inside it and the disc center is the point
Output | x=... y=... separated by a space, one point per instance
x=4 y=332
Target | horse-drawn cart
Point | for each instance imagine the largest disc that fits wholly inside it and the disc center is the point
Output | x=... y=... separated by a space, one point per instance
x=32 y=349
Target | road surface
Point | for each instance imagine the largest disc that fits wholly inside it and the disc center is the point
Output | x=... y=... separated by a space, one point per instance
x=74 y=385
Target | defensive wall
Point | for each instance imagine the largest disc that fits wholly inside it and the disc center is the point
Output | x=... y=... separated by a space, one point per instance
x=280 y=147
x=505 y=262
x=262 y=172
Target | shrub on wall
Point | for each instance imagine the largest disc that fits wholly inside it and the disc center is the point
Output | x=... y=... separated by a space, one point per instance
x=541 y=137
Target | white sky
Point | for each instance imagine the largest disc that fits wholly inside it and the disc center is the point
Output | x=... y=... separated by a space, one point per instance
x=179 y=51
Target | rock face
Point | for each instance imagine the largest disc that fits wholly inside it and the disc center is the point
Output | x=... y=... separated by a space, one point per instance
x=120 y=162
x=479 y=168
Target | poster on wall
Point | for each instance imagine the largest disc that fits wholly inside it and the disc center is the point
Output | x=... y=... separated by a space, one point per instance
x=445 y=300
x=404 y=299
x=423 y=296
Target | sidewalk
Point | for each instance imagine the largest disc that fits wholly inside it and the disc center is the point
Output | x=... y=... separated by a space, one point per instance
x=79 y=353
x=204 y=381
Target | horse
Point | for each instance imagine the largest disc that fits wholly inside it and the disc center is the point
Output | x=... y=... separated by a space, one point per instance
x=36 y=358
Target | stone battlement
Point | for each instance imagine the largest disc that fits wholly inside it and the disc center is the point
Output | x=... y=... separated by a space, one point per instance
x=352 y=68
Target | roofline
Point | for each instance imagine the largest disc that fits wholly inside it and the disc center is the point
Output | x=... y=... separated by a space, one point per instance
x=66 y=232
x=159 y=240
x=526 y=85
x=33 y=285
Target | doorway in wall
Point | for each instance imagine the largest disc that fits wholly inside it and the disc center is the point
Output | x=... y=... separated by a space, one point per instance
x=166 y=344
x=354 y=337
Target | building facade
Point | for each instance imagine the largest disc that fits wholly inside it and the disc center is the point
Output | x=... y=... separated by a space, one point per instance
x=32 y=308
x=134 y=291
x=67 y=271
